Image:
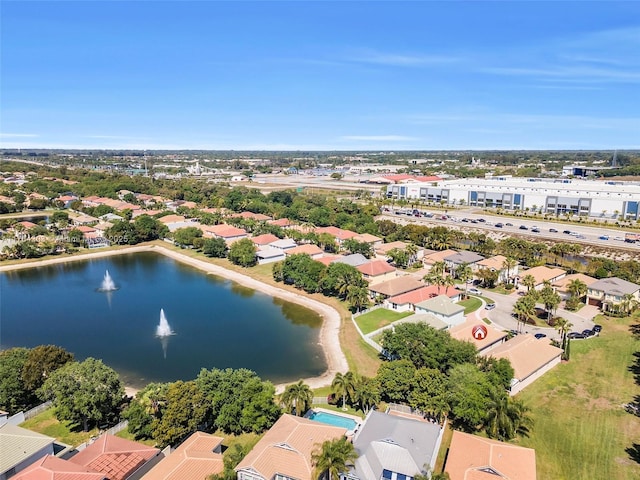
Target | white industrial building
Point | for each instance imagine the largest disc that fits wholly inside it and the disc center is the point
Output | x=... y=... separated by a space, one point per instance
x=554 y=196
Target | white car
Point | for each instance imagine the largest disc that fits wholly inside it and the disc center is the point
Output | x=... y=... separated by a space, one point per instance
x=474 y=291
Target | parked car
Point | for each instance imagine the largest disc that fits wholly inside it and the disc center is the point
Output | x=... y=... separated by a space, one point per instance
x=597 y=328
x=553 y=230
x=474 y=291
x=576 y=335
x=540 y=335
x=490 y=306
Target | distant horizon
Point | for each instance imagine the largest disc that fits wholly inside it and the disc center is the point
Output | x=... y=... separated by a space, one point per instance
x=320 y=76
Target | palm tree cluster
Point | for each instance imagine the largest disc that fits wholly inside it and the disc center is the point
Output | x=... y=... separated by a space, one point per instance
x=297 y=398
x=333 y=457
x=506 y=417
x=359 y=391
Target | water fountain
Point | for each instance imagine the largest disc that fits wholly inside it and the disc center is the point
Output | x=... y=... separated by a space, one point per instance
x=163 y=332
x=107 y=283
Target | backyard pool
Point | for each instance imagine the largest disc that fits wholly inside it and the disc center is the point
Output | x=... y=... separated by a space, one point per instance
x=333 y=419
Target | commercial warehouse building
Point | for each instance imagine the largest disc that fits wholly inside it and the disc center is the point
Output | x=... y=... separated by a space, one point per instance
x=553 y=196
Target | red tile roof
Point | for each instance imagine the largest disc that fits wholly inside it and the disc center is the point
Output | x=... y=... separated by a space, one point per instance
x=265 y=239
x=309 y=249
x=54 y=468
x=253 y=216
x=116 y=457
x=339 y=233
x=281 y=222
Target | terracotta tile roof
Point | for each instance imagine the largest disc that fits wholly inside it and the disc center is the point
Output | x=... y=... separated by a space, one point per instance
x=116 y=457
x=396 y=286
x=424 y=293
x=526 y=353
x=429 y=178
x=542 y=273
x=309 y=249
x=472 y=457
x=85 y=229
x=223 y=230
x=463 y=332
x=265 y=239
x=54 y=468
x=563 y=283
x=375 y=268
x=434 y=257
x=281 y=222
x=27 y=224
x=328 y=259
x=253 y=216
x=367 y=238
x=387 y=247
x=339 y=233
x=493 y=263
x=194 y=459
x=287 y=447
x=171 y=219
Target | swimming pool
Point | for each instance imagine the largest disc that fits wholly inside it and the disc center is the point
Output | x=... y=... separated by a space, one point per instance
x=333 y=419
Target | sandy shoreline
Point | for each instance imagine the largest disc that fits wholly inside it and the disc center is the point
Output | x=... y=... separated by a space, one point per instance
x=329 y=333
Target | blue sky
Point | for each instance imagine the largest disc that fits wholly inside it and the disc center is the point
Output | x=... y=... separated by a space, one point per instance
x=320 y=75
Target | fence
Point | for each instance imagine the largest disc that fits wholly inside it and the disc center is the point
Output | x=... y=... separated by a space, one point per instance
x=362 y=312
x=37 y=410
x=377 y=347
x=118 y=428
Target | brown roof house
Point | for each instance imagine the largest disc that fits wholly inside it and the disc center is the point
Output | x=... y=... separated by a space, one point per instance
x=409 y=301
x=464 y=332
x=610 y=292
x=393 y=287
x=530 y=358
x=472 y=457
x=310 y=249
x=115 y=457
x=496 y=264
x=54 y=468
x=285 y=450
x=562 y=286
x=196 y=458
x=377 y=271
x=540 y=274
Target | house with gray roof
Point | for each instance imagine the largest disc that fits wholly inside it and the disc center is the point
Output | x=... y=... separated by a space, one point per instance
x=459 y=258
x=19 y=448
x=283 y=244
x=393 y=448
x=355 y=260
x=610 y=292
x=443 y=308
x=270 y=255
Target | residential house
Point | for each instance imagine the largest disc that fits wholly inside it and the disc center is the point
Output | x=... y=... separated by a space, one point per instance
x=339 y=234
x=439 y=256
x=497 y=264
x=464 y=333
x=83 y=220
x=258 y=217
x=269 y=255
x=196 y=458
x=443 y=307
x=228 y=233
x=368 y=238
x=377 y=271
x=391 y=447
x=19 y=448
x=474 y=457
x=406 y=302
x=263 y=240
x=284 y=452
x=355 y=259
x=281 y=222
x=530 y=358
x=67 y=200
x=611 y=291
x=394 y=287
x=328 y=259
x=313 y=251
x=54 y=468
x=562 y=286
x=283 y=244
x=117 y=458
x=540 y=275
x=7 y=200
x=425 y=318
x=463 y=257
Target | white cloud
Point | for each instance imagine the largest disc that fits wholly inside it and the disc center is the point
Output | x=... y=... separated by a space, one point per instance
x=400 y=59
x=18 y=135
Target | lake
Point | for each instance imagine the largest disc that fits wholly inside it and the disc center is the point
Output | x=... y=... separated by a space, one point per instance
x=216 y=323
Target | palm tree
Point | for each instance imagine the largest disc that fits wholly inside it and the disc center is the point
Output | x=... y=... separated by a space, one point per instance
x=529 y=281
x=357 y=297
x=563 y=326
x=628 y=303
x=508 y=264
x=333 y=457
x=577 y=288
x=366 y=392
x=412 y=252
x=464 y=272
x=298 y=397
x=342 y=384
x=524 y=309
x=506 y=417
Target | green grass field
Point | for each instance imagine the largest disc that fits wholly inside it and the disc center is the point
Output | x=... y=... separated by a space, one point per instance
x=379 y=318
x=65 y=432
x=581 y=431
x=471 y=304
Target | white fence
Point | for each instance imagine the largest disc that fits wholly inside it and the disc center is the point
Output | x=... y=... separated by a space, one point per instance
x=37 y=410
x=377 y=347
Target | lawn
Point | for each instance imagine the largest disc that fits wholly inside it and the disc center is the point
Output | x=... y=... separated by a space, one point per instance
x=379 y=318
x=47 y=424
x=471 y=304
x=581 y=431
